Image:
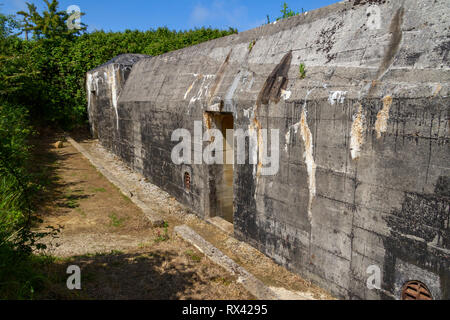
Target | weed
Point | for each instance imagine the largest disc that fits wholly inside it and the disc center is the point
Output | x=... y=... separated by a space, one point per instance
x=165 y=235
x=115 y=220
x=222 y=280
x=193 y=256
x=251 y=45
x=72 y=204
x=144 y=245
x=302 y=71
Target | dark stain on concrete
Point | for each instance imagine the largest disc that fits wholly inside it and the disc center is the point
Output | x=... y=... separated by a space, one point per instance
x=327 y=40
x=394 y=44
x=219 y=77
x=275 y=82
x=443 y=187
x=363 y=2
x=422 y=216
x=412 y=58
x=443 y=50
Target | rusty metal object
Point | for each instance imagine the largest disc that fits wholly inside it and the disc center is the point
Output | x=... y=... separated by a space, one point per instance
x=187 y=181
x=416 y=290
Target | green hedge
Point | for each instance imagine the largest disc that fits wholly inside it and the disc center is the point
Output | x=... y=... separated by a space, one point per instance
x=56 y=92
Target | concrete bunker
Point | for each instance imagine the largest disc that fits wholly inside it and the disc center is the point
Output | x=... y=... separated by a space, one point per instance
x=364 y=159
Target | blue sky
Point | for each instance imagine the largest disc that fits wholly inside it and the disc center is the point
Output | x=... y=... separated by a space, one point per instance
x=119 y=15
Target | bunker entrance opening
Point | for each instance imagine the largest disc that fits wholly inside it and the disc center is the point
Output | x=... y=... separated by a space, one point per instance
x=221 y=175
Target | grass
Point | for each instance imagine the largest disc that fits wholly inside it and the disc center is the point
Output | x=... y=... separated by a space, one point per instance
x=115 y=220
x=81 y=212
x=71 y=199
x=193 y=256
x=144 y=245
x=97 y=190
x=71 y=203
x=21 y=275
x=102 y=254
x=127 y=199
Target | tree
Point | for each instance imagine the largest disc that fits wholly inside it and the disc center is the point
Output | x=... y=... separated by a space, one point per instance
x=7 y=25
x=51 y=24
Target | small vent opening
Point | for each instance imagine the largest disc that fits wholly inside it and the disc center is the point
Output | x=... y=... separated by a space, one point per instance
x=187 y=181
x=416 y=290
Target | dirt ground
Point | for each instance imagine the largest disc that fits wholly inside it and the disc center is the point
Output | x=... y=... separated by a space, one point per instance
x=120 y=255
x=108 y=237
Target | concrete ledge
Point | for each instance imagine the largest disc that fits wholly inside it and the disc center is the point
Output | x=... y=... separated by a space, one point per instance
x=155 y=219
x=222 y=224
x=252 y=284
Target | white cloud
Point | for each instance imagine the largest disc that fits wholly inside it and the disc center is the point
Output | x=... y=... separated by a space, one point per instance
x=199 y=14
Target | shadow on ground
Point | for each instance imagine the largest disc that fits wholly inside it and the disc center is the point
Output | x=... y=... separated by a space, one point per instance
x=45 y=169
x=138 y=276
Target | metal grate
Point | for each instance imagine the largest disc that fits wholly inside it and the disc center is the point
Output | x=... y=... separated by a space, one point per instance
x=187 y=181
x=416 y=290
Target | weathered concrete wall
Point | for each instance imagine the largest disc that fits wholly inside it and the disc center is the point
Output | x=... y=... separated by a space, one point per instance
x=103 y=86
x=364 y=168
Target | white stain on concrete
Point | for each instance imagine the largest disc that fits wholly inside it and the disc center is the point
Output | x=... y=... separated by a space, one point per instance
x=249 y=113
x=253 y=147
x=383 y=116
x=296 y=126
x=307 y=138
x=288 y=140
x=337 y=97
x=92 y=86
x=285 y=94
x=190 y=87
x=113 y=86
x=247 y=81
x=309 y=158
x=89 y=83
x=357 y=134
x=288 y=135
x=436 y=89
x=89 y=89
x=203 y=89
x=250 y=84
x=309 y=154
